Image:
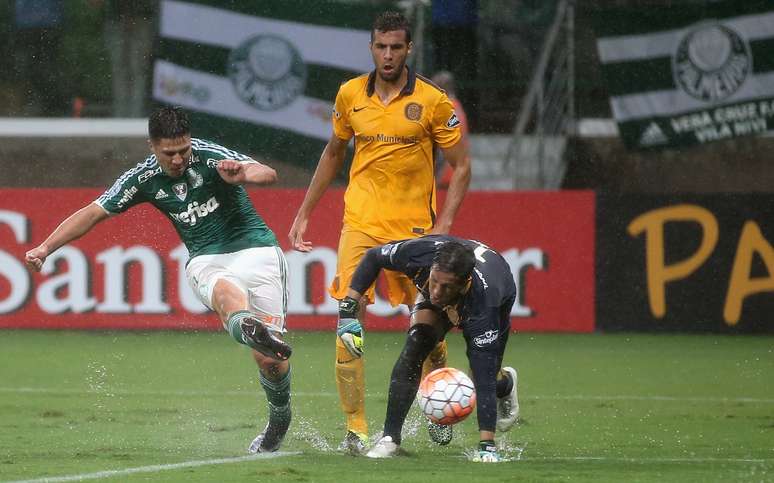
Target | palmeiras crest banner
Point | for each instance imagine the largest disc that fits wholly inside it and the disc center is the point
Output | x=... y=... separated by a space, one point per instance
x=261 y=77
x=689 y=74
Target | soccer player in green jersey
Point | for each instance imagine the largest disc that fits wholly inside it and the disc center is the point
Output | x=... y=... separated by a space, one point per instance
x=236 y=267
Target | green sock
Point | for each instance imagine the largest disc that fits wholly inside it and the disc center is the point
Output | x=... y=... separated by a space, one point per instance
x=234 y=325
x=277 y=392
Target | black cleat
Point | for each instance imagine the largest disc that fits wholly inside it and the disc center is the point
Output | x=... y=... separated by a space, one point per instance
x=261 y=339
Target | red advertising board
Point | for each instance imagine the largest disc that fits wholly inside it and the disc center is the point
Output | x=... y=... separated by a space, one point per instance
x=128 y=273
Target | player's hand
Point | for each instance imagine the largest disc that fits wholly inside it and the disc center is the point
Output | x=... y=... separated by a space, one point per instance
x=296 y=236
x=231 y=171
x=349 y=329
x=351 y=334
x=487 y=457
x=35 y=258
x=487 y=453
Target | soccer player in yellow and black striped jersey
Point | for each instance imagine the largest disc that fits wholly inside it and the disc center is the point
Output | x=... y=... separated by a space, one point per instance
x=395 y=117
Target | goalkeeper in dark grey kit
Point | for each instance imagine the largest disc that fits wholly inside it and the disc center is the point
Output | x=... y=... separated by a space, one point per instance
x=462 y=283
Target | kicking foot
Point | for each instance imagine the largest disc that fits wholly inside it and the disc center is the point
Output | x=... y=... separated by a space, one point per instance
x=261 y=339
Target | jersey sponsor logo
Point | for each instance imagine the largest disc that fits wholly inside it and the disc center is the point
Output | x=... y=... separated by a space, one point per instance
x=413 y=111
x=194 y=178
x=711 y=62
x=181 y=190
x=127 y=197
x=385 y=138
x=358 y=109
x=195 y=211
x=161 y=194
x=143 y=177
x=453 y=121
x=267 y=72
x=486 y=338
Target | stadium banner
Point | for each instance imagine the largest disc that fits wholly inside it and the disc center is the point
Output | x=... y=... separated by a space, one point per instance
x=688 y=74
x=261 y=77
x=128 y=273
x=685 y=263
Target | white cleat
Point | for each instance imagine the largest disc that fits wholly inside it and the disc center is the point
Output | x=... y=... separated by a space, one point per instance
x=384 y=448
x=508 y=405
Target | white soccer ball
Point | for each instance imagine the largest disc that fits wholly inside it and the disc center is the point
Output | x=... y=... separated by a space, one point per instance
x=446 y=396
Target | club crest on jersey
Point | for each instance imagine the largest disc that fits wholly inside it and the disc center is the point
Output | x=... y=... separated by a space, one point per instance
x=194 y=178
x=267 y=72
x=181 y=191
x=453 y=121
x=413 y=111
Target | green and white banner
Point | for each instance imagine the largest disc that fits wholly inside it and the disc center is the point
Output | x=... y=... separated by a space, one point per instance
x=689 y=74
x=261 y=76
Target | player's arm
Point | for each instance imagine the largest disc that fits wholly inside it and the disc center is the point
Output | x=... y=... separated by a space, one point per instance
x=349 y=328
x=253 y=172
x=331 y=161
x=459 y=160
x=72 y=228
x=484 y=366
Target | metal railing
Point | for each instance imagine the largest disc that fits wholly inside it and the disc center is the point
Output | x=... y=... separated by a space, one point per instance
x=535 y=154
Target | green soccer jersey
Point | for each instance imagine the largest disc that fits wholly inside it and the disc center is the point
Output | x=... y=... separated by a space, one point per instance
x=210 y=215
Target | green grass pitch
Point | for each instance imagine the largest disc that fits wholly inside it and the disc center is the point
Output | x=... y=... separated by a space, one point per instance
x=165 y=406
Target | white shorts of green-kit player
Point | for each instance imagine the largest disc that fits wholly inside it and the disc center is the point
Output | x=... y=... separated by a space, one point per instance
x=260 y=272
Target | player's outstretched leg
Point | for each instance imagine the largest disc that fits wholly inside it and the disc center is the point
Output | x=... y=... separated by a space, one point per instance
x=278 y=396
x=508 y=402
x=246 y=329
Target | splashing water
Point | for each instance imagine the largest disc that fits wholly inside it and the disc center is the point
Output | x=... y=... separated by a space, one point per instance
x=508 y=452
x=305 y=430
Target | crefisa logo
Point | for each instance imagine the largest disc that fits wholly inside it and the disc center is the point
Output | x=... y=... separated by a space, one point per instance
x=267 y=72
x=711 y=62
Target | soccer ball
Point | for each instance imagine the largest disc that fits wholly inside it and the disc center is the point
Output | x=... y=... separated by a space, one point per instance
x=446 y=396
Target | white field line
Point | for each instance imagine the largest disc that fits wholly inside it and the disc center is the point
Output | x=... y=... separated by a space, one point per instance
x=648 y=460
x=247 y=393
x=156 y=468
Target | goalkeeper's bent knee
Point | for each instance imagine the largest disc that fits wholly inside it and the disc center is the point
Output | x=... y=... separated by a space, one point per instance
x=420 y=341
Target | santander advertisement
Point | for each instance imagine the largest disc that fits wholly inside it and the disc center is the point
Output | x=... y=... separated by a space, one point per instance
x=128 y=272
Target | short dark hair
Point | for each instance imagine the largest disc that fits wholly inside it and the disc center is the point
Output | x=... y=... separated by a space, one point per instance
x=389 y=22
x=454 y=257
x=168 y=122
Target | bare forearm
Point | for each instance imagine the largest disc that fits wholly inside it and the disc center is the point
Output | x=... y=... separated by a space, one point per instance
x=73 y=227
x=458 y=187
x=259 y=174
x=327 y=168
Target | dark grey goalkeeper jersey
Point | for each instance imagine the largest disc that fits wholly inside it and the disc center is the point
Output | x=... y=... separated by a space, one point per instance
x=210 y=215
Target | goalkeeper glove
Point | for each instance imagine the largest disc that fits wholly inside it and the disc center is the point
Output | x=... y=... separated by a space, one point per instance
x=349 y=329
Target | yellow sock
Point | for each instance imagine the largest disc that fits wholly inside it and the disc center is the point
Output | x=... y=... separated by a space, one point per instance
x=350 y=381
x=436 y=359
